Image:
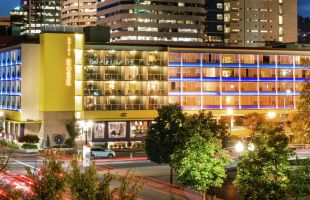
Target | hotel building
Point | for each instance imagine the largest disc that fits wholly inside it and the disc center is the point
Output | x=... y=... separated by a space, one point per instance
x=154 y=22
x=79 y=12
x=119 y=87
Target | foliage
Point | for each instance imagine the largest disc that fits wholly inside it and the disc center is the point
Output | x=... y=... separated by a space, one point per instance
x=298 y=126
x=29 y=139
x=4 y=158
x=264 y=172
x=104 y=192
x=83 y=185
x=10 y=194
x=29 y=146
x=166 y=134
x=130 y=187
x=73 y=131
x=9 y=144
x=49 y=179
x=300 y=181
x=205 y=124
x=201 y=164
x=253 y=121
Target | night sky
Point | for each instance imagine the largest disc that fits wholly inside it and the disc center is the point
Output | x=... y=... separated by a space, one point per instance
x=7 y=5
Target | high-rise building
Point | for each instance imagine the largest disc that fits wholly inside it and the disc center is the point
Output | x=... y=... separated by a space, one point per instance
x=215 y=22
x=79 y=12
x=154 y=22
x=32 y=15
x=250 y=23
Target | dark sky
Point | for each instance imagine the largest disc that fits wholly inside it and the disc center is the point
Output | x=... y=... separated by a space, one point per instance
x=7 y=5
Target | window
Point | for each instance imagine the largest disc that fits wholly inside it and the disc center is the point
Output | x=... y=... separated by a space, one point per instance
x=138 y=129
x=99 y=130
x=117 y=129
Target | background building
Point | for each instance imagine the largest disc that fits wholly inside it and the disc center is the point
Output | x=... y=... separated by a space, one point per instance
x=32 y=15
x=154 y=22
x=249 y=23
x=79 y=12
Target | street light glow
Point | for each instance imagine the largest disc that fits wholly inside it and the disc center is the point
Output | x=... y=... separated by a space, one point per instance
x=271 y=115
x=239 y=147
x=89 y=124
x=230 y=111
x=1 y=113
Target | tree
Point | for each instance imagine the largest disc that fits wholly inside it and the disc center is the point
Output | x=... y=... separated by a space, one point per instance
x=264 y=172
x=83 y=185
x=201 y=164
x=253 y=121
x=165 y=135
x=73 y=131
x=205 y=124
x=300 y=180
x=298 y=125
x=49 y=180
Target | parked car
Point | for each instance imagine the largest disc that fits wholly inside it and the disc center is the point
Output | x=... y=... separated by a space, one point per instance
x=99 y=152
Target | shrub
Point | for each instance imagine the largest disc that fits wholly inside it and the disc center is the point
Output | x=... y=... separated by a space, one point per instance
x=29 y=139
x=9 y=144
x=29 y=146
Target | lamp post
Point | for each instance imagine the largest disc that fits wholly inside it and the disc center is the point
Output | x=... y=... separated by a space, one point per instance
x=288 y=92
x=230 y=112
x=271 y=115
x=86 y=128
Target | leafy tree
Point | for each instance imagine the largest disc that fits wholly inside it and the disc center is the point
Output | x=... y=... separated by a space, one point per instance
x=83 y=185
x=300 y=180
x=253 y=121
x=10 y=194
x=264 y=172
x=205 y=124
x=73 y=131
x=49 y=180
x=165 y=135
x=130 y=187
x=201 y=164
x=298 y=126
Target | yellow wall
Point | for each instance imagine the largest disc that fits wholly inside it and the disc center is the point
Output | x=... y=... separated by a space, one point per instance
x=57 y=87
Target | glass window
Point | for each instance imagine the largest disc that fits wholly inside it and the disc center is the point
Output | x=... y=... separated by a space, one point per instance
x=138 y=129
x=99 y=130
x=117 y=129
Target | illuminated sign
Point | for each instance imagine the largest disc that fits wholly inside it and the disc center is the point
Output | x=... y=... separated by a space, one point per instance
x=69 y=63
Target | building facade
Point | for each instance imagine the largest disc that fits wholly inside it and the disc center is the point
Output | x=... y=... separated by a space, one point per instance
x=214 y=22
x=250 y=23
x=32 y=15
x=79 y=12
x=44 y=85
x=154 y=22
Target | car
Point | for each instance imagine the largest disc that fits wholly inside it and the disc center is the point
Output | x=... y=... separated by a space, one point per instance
x=99 y=152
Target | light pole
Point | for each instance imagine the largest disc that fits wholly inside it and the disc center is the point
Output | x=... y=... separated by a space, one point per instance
x=271 y=115
x=230 y=112
x=288 y=92
x=86 y=128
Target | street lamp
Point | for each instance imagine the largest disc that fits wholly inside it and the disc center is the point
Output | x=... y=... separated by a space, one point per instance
x=230 y=112
x=271 y=115
x=86 y=128
x=239 y=147
x=288 y=92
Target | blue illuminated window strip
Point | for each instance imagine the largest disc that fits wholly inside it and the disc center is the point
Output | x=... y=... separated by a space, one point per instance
x=254 y=93
x=12 y=78
x=11 y=93
x=236 y=79
x=14 y=108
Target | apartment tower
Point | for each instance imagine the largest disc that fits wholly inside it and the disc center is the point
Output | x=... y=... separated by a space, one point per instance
x=32 y=15
x=167 y=22
x=250 y=23
x=79 y=12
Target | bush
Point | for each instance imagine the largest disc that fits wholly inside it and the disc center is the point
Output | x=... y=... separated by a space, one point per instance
x=9 y=144
x=29 y=139
x=29 y=146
